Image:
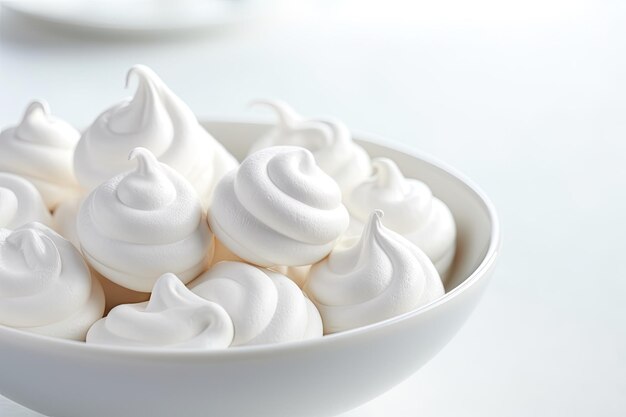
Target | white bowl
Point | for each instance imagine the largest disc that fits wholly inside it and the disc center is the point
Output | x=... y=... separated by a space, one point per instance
x=319 y=377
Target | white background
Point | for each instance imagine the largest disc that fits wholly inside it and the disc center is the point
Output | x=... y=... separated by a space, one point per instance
x=527 y=98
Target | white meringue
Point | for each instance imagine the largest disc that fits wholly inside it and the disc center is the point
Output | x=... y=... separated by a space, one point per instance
x=45 y=285
x=65 y=224
x=20 y=202
x=278 y=208
x=156 y=119
x=143 y=223
x=65 y=219
x=41 y=149
x=366 y=280
x=173 y=318
x=265 y=306
x=410 y=209
x=330 y=141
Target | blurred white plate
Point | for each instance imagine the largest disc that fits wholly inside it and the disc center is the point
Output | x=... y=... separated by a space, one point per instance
x=136 y=16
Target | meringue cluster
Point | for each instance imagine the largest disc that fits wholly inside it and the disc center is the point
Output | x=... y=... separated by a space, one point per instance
x=143 y=231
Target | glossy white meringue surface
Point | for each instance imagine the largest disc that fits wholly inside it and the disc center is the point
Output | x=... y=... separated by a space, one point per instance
x=64 y=217
x=144 y=223
x=174 y=317
x=45 y=286
x=410 y=209
x=41 y=148
x=375 y=277
x=330 y=141
x=156 y=119
x=278 y=208
x=265 y=306
x=20 y=202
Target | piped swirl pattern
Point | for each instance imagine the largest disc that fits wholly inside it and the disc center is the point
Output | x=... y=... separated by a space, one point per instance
x=41 y=148
x=330 y=141
x=368 y=279
x=156 y=119
x=410 y=208
x=278 y=208
x=144 y=223
x=45 y=285
x=174 y=318
x=265 y=306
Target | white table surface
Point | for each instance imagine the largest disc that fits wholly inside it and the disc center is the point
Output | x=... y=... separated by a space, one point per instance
x=527 y=98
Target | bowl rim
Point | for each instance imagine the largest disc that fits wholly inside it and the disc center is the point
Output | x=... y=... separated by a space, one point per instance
x=253 y=351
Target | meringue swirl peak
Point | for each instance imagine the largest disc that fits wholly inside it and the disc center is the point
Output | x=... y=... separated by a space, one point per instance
x=312 y=135
x=145 y=106
x=45 y=285
x=329 y=140
x=137 y=189
x=411 y=210
x=143 y=223
x=35 y=251
x=156 y=119
x=371 y=278
x=37 y=126
x=40 y=149
x=407 y=202
x=174 y=317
